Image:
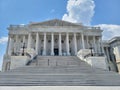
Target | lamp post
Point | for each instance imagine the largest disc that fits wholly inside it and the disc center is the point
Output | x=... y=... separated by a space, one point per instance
x=23 y=49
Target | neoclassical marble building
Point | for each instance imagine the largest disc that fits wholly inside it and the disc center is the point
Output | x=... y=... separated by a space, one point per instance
x=59 y=53
x=54 y=37
x=51 y=38
x=112 y=51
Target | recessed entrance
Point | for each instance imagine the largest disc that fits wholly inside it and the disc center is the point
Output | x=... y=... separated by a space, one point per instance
x=56 y=50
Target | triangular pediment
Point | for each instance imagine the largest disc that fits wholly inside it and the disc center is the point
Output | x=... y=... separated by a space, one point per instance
x=54 y=22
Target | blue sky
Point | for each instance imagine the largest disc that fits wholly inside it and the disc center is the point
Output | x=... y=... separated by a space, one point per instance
x=107 y=12
x=103 y=13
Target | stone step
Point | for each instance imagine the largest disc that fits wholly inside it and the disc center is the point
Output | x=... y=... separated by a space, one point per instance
x=56 y=61
x=54 y=70
x=53 y=73
x=43 y=80
x=74 y=75
x=58 y=77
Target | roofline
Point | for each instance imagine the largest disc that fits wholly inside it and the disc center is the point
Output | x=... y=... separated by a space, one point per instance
x=114 y=39
x=33 y=23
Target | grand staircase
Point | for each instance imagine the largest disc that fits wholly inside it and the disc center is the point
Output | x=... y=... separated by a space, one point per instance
x=55 y=61
x=58 y=71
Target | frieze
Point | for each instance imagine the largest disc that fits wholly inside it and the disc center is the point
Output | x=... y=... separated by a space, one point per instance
x=85 y=30
x=18 y=32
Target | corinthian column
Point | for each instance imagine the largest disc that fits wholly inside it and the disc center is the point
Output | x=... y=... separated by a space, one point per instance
x=67 y=43
x=37 y=43
x=108 y=53
x=75 y=44
x=99 y=48
x=44 y=48
x=94 y=41
x=16 y=44
x=29 y=41
x=52 y=44
x=9 y=46
x=87 y=42
x=24 y=39
x=102 y=49
x=60 y=46
x=83 y=42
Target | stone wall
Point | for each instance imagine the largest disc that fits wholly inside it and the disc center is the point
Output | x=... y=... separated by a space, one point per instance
x=18 y=61
x=98 y=62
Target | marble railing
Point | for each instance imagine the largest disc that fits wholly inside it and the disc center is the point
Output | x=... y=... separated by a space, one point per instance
x=22 y=25
x=82 y=53
x=32 y=55
x=31 y=52
x=15 y=26
x=93 y=28
x=32 y=59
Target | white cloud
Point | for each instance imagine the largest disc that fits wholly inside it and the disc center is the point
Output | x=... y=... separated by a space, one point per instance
x=79 y=11
x=3 y=40
x=82 y=11
x=110 y=30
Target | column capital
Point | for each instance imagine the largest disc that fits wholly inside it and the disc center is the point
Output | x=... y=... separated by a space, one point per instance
x=45 y=33
x=59 y=32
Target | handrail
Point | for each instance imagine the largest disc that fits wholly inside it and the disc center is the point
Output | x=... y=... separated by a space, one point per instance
x=94 y=54
x=87 y=55
x=28 y=55
x=31 y=60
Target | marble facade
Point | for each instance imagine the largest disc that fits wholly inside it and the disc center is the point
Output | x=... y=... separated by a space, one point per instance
x=51 y=38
